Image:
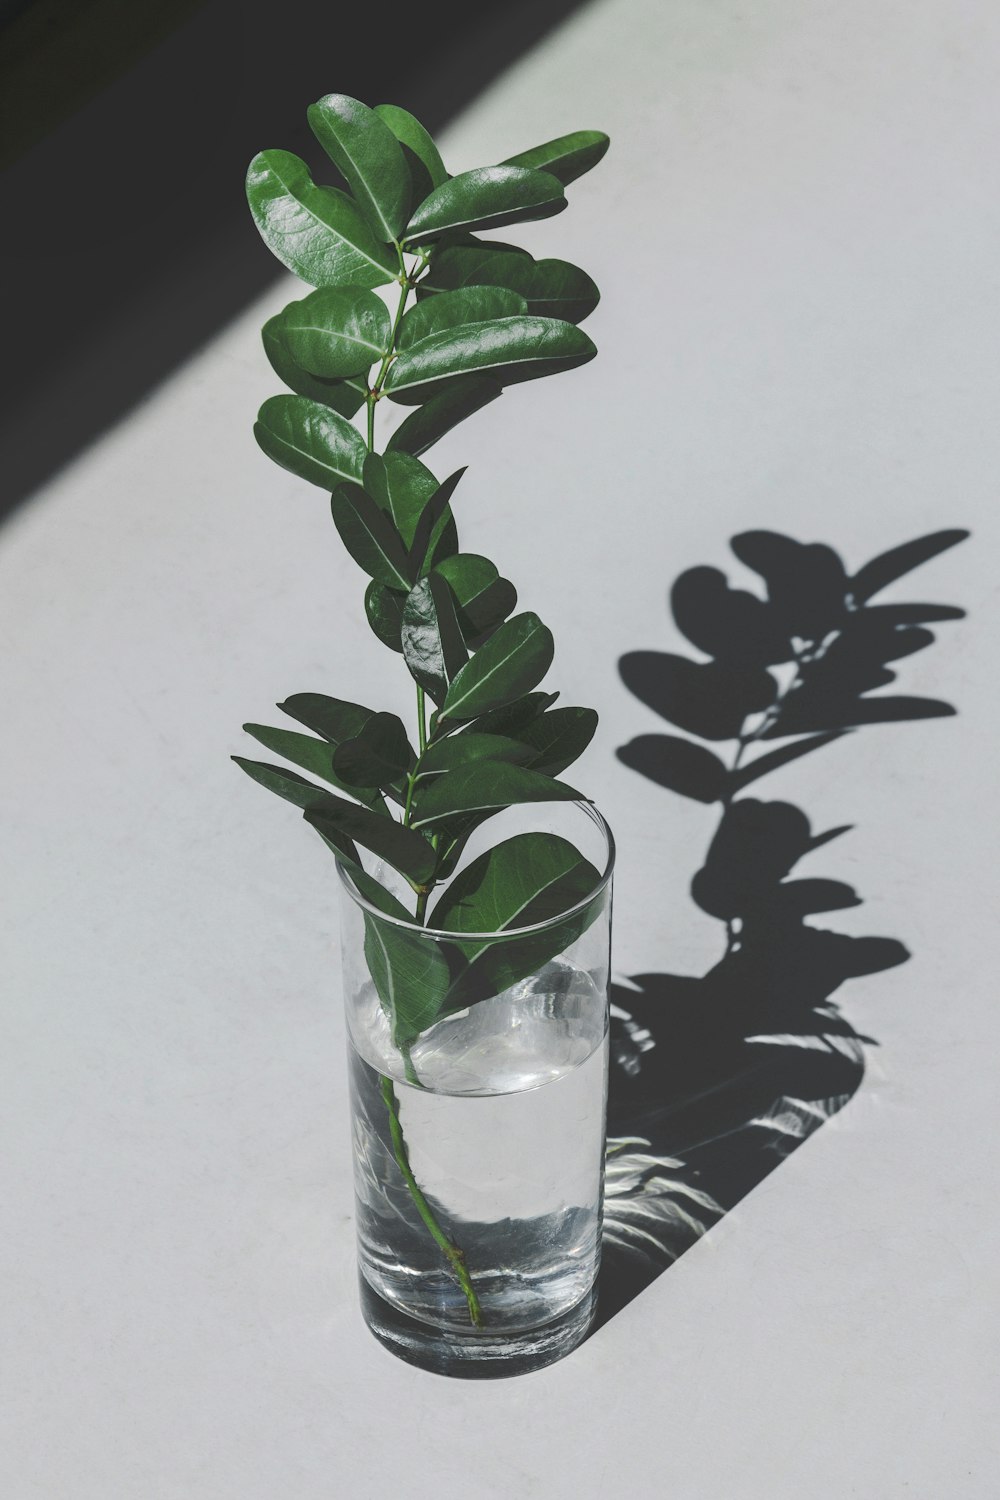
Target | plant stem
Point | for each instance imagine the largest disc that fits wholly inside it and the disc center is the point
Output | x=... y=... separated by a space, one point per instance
x=455 y=1256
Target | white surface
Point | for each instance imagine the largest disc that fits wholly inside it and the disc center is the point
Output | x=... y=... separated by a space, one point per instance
x=796 y=234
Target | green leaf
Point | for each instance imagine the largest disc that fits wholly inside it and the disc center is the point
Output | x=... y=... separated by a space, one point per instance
x=484 y=598
x=379 y=754
x=375 y=892
x=295 y=789
x=511 y=663
x=344 y=396
x=384 y=608
x=551 y=288
x=401 y=486
x=433 y=648
x=454 y=265
x=335 y=719
x=370 y=537
x=315 y=756
x=508 y=349
x=485 y=198
x=477 y=304
x=558 y=738
x=310 y=440
x=460 y=398
x=435 y=537
x=512 y=718
x=463 y=749
x=336 y=331
x=415 y=139
x=486 y=786
x=528 y=879
x=317 y=232
x=567 y=157
x=410 y=974
x=406 y=851
x=364 y=148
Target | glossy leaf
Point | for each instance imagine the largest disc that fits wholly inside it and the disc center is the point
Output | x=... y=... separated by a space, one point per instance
x=423 y=427
x=406 y=851
x=433 y=647
x=435 y=537
x=455 y=264
x=486 y=198
x=310 y=440
x=377 y=895
x=317 y=232
x=484 y=599
x=370 y=537
x=528 y=879
x=336 y=719
x=427 y=170
x=384 y=608
x=486 y=786
x=511 y=663
x=889 y=566
x=336 y=331
x=559 y=738
x=410 y=974
x=344 y=396
x=512 y=717
x=551 y=288
x=468 y=748
x=367 y=152
x=401 y=486
x=567 y=157
x=479 y=304
x=380 y=752
x=314 y=756
x=508 y=350
x=288 y=784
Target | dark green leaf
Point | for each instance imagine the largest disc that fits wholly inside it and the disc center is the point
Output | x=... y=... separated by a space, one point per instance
x=477 y=304
x=433 y=647
x=415 y=139
x=295 y=789
x=317 y=232
x=311 y=440
x=485 y=198
x=367 y=152
x=455 y=265
x=411 y=976
x=889 y=566
x=400 y=847
x=551 y=288
x=370 y=537
x=334 y=718
x=512 y=718
x=559 y=738
x=567 y=157
x=315 y=756
x=510 y=664
x=344 y=396
x=379 y=754
x=462 y=749
x=528 y=879
x=483 y=786
x=423 y=427
x=435 y=538
x=384 y=608
x=508 y=349
x=401 y=486
x=336 y=331
x=376 y=894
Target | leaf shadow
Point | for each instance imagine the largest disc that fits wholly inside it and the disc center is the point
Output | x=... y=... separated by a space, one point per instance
x=717 y=1078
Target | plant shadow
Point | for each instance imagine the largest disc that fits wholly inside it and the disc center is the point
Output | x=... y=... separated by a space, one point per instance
x=716 y=1078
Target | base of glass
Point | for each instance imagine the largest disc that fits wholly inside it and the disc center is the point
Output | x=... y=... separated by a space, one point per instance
x=479 y=1354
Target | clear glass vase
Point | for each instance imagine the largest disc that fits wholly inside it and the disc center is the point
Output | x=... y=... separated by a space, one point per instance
x=479 y=1145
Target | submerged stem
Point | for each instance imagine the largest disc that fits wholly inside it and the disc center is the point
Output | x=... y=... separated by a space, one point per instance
x=455 y=1256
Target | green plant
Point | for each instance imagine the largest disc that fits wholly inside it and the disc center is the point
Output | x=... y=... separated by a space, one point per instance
x=484 y=315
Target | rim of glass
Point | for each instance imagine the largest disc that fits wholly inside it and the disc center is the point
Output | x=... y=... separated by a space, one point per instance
x=508 y=932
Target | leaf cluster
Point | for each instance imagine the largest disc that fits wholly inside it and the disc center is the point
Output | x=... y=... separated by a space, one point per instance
x=484 y=315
